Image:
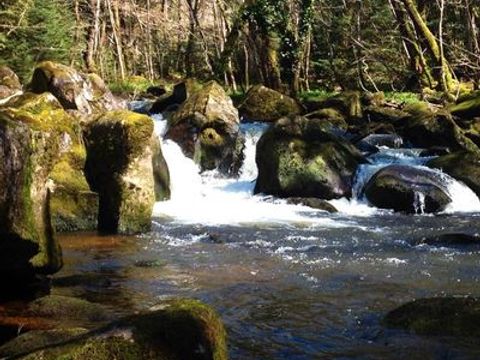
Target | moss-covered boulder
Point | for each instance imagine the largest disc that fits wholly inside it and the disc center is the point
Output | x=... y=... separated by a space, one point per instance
x=332 y=116
x=314 y=203
x=407 y=189
x=463 y=166
x=207 y=128
x=264 y=104
x=348 y=103
x=32 y=139
x=181 y=92
x=122 y=155
x=74 y=90
x=426 y=127
x=73 y=206
x=9 y=84
x=176 y=330
x=298 y=157
x=449 y=316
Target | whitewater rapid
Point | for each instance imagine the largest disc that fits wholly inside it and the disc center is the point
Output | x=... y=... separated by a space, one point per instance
x=211 y=199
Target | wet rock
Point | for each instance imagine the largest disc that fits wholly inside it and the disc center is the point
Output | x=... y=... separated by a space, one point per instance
x=123 y=153
x=449 y=316
x=315 y=203
x=388 y=140
x=298 y=157
x=181 y=92
x=426 y=128
x=384 y=114
x=177 y=329
x=407 y=189
x=449 y=240
x=264 y=104
x=9 y=84
x=33 y=137
x=463 y=166
x=435 y=151
x=156 y=91
x=74 y=90
x=207 y=129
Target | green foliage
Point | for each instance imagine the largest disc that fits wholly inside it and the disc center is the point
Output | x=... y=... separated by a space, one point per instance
x=36 y=30
x=402 y=97
x=316 y=95
x=132 y=85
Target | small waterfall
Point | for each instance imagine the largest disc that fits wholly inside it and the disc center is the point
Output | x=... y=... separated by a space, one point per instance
x=419 y=203
x=211 y=199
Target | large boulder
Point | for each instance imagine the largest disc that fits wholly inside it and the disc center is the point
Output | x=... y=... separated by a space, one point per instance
x=74 y=90
x=33 y=137
x=123 y=153
x=176 y=329
x=207 y=128
x=9 y=84
x=298 y=157
x=73 y=206
x=407 y=189
x=463 y=166
x=264 y=104
x=426 y=128
x=449 y=316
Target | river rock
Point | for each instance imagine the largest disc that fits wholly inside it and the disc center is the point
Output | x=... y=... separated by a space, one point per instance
x=348 y=103
x=388 y=140
x=176 y=329
x=264 y=104
x=314 y=203
x=426 y=128
x=74 y=90
x=9 y=84
x=298 y=157
x=207 y=128
x=401 y=187
x=331 y=116
x=449 y=240
x=73 y=206
x=123 y=155
x=181 y=92
x=463 y=166
x=33 y=137
x=449 y=316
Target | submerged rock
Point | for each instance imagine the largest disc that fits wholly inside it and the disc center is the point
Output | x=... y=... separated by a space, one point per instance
x=9 y=84
x=264 y=104
x=177 y=329
x=449 y=316
x=298 y=157
x=314 y=203
x=123 y=158
x=449 y=240
x=388 y=140
x=207 y=129
x=408 y=189
x=74 y=90
x=463 y=166
x=33 y=137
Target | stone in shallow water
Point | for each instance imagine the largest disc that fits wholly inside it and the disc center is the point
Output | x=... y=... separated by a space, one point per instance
x=449 y=316
x=449 y=240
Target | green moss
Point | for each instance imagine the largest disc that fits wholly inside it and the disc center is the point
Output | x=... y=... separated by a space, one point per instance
x=402 y=97
x=316 y=95
x=467 y=109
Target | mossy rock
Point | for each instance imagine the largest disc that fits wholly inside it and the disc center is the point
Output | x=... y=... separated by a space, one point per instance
x=427 y=128
x=449 y=316
x=207 y=128
x=122 y=150
x=9 y=83
x=398 y=187
x=33 y=138
x=176 y=330
x=298 y=157
x=181 y=92
x=332 y=116
x=463 y=166
x=73 y=89
x=264 y=104
x=349 y=103
x=314 y=203
x=469 y=108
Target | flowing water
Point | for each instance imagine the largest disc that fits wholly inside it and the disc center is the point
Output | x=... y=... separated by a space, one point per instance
x=290 y=282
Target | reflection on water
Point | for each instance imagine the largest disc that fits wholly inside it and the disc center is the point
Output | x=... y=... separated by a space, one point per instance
x=287 y=293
